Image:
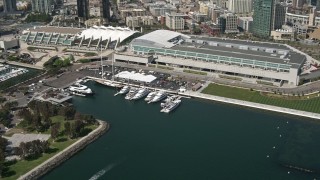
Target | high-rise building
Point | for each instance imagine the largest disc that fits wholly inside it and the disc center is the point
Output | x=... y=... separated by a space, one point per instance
x=83 y=9
x=175 y=21
x=298 y=3
x=228 y=23
x=42 y=6
x=9 y=5
x=262 y=18
x=106 y=9
x=279 y=16
x=240 y=6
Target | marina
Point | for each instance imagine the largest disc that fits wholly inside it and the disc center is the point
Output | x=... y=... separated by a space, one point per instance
x=7 y=72
x=217 y=139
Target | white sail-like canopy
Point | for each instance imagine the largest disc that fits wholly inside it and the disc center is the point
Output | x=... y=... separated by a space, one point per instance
x=115 y=33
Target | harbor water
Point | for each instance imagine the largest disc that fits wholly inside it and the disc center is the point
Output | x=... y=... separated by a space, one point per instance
x=199 y=140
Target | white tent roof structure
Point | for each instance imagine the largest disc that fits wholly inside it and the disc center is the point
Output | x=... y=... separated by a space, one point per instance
x=115 y=33
x=136 y=76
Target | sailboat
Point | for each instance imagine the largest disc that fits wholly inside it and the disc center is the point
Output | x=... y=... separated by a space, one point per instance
x=103 y=81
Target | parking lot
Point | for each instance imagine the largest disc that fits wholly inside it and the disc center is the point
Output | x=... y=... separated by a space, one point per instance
x=164 y=80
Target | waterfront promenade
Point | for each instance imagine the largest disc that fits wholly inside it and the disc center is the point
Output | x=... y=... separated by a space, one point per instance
x=252 y=104
x=65 y=154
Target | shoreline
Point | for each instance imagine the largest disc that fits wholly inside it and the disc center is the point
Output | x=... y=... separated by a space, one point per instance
x=67 y=153
x=236 y=102
x=253 y=105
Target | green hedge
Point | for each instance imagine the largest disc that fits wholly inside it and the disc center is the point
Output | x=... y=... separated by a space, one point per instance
x=165 y=67
x=88 y=54
x=231 y=77
x=194 y=72
x=84 y=60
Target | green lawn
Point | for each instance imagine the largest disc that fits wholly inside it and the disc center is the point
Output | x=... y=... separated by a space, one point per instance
x=299 y=103
x=21 y=167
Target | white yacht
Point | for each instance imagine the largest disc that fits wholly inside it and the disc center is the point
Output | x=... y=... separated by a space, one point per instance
x=158 y=97
x=131 y=93
x=142 y=92
x=79 y=88
x=168 y=100
x=150 y=96
x=172 y=105
x=123 y=90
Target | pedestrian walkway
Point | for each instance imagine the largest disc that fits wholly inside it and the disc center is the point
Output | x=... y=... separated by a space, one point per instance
x=253 y=105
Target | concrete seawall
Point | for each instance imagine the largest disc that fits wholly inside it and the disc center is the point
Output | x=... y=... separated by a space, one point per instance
x=253 y=105
x=65 y=154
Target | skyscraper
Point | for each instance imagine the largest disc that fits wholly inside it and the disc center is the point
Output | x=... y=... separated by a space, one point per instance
x=262 y=18
x=106 y=9
x=83 y=9
x=298 y=3
x=42 y=6
x=9 y=6
x=279 y=15
x=240 y=6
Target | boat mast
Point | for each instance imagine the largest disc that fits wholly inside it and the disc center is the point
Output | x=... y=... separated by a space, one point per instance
x=112 y=66
x=101 y=60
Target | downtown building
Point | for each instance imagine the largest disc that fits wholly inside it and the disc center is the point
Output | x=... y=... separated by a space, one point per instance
x=99 y=8
x=83 y=9
x=262 y=62
x=241 y=7
x=9 y=6
x=268 y=15
x=42 y=6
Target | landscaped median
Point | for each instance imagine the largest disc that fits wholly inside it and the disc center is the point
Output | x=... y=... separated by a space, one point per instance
x=309 y=103
x=195 y=72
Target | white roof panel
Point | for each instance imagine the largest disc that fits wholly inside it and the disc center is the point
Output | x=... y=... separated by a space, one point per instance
x=136 y=76
x=160 y=38
x=97 y=32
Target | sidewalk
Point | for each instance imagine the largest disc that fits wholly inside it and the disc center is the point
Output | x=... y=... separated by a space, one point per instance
x=252 y=104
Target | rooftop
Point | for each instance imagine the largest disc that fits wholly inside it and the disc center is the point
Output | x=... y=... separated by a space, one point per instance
x=55 y=29
x=158 y=38
x=113 y=33
x=291 y=58
x=242 y=42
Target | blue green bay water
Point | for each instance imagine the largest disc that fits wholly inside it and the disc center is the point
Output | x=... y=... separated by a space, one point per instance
x=200 y=140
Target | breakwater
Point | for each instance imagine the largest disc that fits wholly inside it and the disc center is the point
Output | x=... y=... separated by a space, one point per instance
x=65 y=154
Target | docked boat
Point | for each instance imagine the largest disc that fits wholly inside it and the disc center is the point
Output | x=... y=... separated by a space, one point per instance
x=150 y=96
x=142 y=92
x=80 y=89
x=168 y=100
x=158 y=97
x=131 y=93
x=78 y=94
x=108 y=83
x=124 y=90
x=172 y=105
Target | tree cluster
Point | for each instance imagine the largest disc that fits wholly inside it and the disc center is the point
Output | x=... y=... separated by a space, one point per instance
x=56 y=63
x=37 y=117
x=33 y=149
x=39 y=18
x=5 y=115
x=3 y=144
